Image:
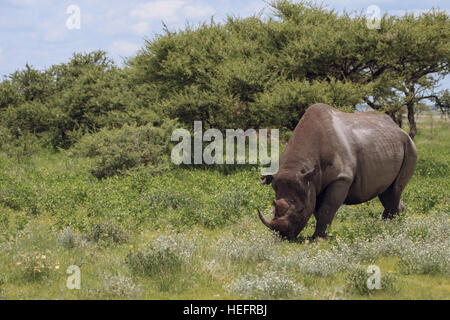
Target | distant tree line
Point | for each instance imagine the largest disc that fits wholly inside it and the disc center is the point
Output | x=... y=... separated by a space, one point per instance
x=245 y=72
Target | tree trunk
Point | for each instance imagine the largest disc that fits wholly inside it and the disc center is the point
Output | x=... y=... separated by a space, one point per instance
x=396 y=117
x=412 y=121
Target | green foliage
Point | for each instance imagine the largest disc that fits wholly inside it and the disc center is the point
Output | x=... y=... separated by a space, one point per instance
x=108 y=232
x=66 y=101
x=70 y=239
x=167 y=260
x=246 y=74
x=356 y=282
x=121 y=286
x=270 y=285
x=9 y=95
x=432 y=168
x=20 y=146
x=292 y=98
x=116 y=150
x=32 y=84
x=154 y=262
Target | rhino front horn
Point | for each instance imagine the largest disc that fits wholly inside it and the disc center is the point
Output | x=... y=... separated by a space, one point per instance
x=268 y=224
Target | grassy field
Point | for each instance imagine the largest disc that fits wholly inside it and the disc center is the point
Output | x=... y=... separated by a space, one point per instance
x=192 y=233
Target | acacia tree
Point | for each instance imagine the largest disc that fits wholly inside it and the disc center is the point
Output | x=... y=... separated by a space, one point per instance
x=414 y=55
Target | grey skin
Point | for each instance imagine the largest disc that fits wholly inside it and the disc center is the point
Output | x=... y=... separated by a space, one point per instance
x=336 y=158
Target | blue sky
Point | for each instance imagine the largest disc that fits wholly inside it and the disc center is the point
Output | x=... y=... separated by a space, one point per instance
x=35 y=31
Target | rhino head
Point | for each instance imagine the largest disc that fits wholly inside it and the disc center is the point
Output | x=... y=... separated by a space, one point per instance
x=294 y=204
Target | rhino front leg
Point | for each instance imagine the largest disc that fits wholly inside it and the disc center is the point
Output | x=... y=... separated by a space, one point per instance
x=329 y=202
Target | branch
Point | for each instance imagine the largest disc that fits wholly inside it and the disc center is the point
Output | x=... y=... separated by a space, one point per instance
x=371 y=104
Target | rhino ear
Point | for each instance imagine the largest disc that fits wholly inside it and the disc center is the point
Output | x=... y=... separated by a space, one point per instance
x=267 y=179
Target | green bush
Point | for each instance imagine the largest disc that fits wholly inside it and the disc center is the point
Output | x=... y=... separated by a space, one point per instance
x=271 y=285
x=66 y=101
x=432 y=168
x=154 y=262
x=108 y=231
x=9 y=94
x=115 y=150
x=120 y=286
x=23 y=145
x=356 y=282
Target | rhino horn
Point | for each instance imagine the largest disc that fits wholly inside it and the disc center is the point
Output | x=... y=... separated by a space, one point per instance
x=268 y=224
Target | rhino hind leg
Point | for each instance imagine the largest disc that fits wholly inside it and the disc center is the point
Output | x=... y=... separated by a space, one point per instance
x=392 y=205
x=391 y=197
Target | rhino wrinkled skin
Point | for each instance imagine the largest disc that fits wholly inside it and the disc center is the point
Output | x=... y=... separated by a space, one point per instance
x=336 y=158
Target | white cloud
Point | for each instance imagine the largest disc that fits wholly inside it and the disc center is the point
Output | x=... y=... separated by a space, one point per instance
x=22 y=2
x=171 y=10
x=124 y=48
x=198 y=11
x=160 y=9
x=416 y=12
x=57 y=33
x=140 y=28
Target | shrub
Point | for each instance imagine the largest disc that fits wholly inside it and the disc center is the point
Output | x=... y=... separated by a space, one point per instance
x=68 y=238
x=432 y=168
x=426 y=258
x=158 y=199
x=247 y=246
x=22 y=145
x=152 y=261
x=165 y=259
x=35 y=265
x=121 y=286
x=18 y=195
x=356 y=282
x=107 y=232
x=9 y=94
x=268 y=285
x=318 y=262
x=115 y=150
x=66 y=101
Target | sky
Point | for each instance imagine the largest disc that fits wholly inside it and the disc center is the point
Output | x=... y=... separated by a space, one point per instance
x=46 y=32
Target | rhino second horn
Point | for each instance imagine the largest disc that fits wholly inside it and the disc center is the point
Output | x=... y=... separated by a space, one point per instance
x=268 y=224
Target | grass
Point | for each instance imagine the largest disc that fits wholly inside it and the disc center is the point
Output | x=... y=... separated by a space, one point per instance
x=192 y=234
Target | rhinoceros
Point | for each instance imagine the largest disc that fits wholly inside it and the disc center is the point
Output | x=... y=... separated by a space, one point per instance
x=335 y=158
